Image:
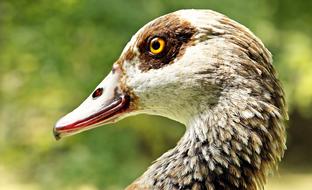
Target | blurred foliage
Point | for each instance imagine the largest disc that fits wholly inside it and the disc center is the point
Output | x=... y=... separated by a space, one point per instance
x=53 y=53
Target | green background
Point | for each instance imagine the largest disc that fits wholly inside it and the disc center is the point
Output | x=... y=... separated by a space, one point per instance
x=53 y=54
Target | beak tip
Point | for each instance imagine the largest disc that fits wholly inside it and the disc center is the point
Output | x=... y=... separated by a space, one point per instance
x=57 y=135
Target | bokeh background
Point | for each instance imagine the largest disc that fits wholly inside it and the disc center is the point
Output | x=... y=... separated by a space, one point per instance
x=53 y=54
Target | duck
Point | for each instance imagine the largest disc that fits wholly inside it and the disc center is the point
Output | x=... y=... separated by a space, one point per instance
x=210 y=73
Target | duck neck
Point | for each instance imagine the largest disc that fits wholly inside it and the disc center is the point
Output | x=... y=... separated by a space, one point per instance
x=225 y=147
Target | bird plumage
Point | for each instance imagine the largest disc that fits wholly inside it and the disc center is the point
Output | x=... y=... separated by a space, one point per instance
x=217 y=78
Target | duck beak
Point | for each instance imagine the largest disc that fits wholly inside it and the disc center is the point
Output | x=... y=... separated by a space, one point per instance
x=105 y=105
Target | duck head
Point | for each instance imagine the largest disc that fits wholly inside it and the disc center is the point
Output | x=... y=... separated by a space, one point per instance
x=177 y=66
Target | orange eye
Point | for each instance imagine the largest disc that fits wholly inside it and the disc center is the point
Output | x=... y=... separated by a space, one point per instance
x=157 y=45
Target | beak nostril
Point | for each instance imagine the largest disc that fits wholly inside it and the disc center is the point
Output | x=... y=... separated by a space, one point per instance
x=98 y=92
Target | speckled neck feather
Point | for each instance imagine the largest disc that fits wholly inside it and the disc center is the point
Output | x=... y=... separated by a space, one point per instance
x=231 y=147
x=235 y=135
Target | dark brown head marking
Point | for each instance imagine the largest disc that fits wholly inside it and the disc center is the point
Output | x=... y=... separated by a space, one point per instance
x=176 y=32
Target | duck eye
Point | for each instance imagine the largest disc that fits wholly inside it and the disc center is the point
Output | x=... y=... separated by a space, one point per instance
x=157 y=45
x=98 y=92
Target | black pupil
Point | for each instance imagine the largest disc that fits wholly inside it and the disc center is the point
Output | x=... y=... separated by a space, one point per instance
x=98 y=92
x=155 y=45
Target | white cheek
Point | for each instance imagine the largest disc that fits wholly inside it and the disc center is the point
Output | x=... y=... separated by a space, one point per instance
x=161 y=91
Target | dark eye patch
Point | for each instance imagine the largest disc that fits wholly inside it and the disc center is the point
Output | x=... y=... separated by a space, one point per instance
x=175 y=32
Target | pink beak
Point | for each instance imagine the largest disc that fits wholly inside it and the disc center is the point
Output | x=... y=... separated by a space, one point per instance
x=105 y=105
